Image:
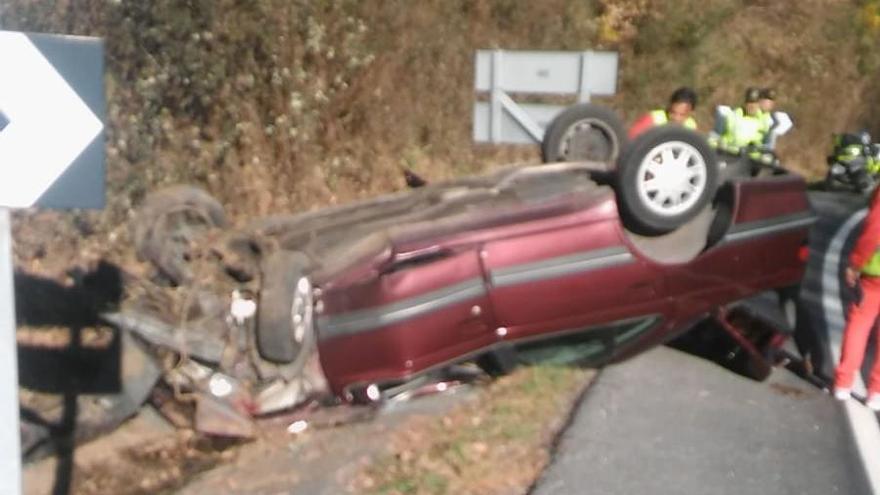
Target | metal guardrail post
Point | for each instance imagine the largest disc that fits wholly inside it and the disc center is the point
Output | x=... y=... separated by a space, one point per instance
x=496 y=105
x=584 y=93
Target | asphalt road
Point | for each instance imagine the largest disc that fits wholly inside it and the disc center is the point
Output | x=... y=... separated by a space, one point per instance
x=667 y=422
x=833 y=210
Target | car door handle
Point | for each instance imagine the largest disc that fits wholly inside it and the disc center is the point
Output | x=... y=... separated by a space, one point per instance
x=474 y=323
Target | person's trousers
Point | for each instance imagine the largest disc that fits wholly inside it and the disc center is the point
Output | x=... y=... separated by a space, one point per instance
x=862 y=318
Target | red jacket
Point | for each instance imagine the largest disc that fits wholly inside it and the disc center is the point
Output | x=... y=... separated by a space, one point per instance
x=869 y=240
x=643 y=124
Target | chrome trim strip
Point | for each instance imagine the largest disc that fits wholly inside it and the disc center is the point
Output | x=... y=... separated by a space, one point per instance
x=389 y=314
x=759 y=228
x=376 y=317
x=654 y=319
x=560 y=266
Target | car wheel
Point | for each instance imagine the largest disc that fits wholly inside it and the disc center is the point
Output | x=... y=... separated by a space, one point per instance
x=665 y=178
x=583 y=132
x=169 y=222
x=285 y=327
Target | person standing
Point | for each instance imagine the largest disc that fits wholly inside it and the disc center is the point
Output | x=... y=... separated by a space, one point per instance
x=740 y=128
x=863 y=275
x=678 y=111
x=778 y=123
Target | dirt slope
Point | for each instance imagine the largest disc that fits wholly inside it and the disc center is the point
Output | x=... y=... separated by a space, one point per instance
x=279 y=105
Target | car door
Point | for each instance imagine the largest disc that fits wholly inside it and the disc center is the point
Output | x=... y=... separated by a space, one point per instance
x=423 y=309
x=567 y=278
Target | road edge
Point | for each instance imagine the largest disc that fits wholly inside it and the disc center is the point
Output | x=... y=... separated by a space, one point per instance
x=862 y=422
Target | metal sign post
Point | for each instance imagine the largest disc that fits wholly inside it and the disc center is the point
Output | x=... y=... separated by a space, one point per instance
x=51 y=155
x=10 y=464
x=501 y=73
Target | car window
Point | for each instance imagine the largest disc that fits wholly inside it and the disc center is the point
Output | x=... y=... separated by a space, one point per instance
x=589 y=346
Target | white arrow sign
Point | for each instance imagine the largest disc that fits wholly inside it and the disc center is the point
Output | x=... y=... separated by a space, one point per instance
x=49 y=125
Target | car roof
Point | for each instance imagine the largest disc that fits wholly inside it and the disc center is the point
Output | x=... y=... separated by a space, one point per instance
x=336 y=236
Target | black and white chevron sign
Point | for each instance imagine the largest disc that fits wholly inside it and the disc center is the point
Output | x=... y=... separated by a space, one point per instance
x=51 y=121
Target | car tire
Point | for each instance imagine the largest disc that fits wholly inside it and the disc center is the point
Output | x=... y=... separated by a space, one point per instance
x=584 y=132
x=285 y=328
x=167 y=223
x=655 y=200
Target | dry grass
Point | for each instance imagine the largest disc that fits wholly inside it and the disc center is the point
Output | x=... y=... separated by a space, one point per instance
x=159 y=467
x=277 y=105
x=811 y=51
x=499 y=443
x=286 y=105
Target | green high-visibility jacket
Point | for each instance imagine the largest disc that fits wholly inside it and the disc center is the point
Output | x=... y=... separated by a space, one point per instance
x=872 y=267
x=848 y=153
x=660 y=118
x=741 y=130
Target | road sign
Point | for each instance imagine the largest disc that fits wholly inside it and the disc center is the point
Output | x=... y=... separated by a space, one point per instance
x=52 y=99
x=522 y=130
x=499 y=72
x=581 y=73
x=51 y=154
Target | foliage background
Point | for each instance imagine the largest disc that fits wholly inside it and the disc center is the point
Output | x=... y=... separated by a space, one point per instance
x=289 y=105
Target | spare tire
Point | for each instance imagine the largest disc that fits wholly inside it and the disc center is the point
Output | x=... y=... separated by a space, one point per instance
x=665 y=177
x=167 y=223
x=285 y=328
x=584 y=132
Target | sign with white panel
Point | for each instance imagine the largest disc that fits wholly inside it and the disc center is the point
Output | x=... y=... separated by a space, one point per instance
x=582 y=73
x=52 y=104
x=512 y=130
x=51 y=155
x=501 y=73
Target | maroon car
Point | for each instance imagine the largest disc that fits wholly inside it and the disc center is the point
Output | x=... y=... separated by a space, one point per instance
x=583 y=263
x=544 y=256
x=598 y=260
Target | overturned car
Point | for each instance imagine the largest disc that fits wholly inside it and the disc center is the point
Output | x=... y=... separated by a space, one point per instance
x=366 y=301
